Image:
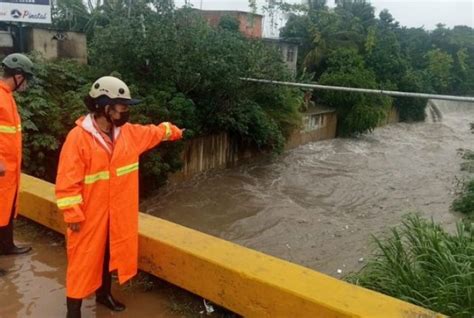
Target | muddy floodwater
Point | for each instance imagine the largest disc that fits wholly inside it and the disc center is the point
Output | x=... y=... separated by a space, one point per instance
x=34 y=286
x=319 y=204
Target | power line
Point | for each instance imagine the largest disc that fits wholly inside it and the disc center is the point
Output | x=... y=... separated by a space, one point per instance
x=363 y=90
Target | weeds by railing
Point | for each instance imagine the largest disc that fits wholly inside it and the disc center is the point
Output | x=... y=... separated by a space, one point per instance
x=421 y=263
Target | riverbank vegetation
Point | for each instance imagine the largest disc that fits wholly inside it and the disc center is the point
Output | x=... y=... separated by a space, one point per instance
x=419 y=262
x=464 y=203
x=184 y=70
x=348 y=45
x=187 y=72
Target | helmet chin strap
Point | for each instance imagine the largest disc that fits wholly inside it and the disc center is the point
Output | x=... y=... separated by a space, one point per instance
x=107 y=115
x=18 y=85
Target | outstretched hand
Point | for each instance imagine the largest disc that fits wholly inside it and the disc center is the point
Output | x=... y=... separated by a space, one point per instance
x=75 y=227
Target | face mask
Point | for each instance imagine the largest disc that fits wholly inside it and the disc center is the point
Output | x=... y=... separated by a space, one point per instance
x=124 y=117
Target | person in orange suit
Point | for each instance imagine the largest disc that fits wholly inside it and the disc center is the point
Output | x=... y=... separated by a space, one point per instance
x=97 y=189
x=17 y=71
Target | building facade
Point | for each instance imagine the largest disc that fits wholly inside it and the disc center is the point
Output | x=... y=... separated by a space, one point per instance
x=250 y=24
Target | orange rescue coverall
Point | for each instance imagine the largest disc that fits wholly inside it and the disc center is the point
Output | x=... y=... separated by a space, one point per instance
x=10 y=153
x=98 y=187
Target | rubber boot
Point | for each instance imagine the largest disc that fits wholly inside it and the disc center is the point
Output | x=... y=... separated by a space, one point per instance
x=103 y=294
x=15 y=250
x=73 y=307
x=110 y=302
x=7 y=247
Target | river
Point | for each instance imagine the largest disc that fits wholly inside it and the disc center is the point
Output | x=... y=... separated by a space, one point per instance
x=319 y=204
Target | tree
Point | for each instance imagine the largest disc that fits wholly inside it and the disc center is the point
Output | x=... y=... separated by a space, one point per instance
x=229 y=23
x=70 y=15
x=414 y=43
x=322 y=31
x=383 y=52
x=357 y=113
x=463 y=69
x=439 y=69
x=412 y=109
x=317 y=4
x=410 y=59
x=356 y=12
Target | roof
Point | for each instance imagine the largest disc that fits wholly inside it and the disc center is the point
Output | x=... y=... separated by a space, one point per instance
x=229 y=12
x=319 y=109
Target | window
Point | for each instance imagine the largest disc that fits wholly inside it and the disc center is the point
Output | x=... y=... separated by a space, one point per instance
x=313 y=122
x=290 y=54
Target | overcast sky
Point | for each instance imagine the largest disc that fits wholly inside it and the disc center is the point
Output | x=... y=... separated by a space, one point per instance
x=411 y=13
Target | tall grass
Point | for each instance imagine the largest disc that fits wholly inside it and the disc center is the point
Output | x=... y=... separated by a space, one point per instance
x=421 y=263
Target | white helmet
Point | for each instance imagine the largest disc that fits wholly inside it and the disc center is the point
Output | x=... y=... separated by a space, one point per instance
x=113 y=88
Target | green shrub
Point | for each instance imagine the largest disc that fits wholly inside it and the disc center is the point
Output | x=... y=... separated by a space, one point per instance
x=48 y=110
x=465 y=202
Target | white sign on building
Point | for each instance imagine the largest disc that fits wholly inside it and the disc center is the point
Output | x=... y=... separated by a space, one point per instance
x=28 y=11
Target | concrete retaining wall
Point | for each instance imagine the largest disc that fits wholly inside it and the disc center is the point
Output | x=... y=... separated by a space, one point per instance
x=55 y=44
x=220 y=151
